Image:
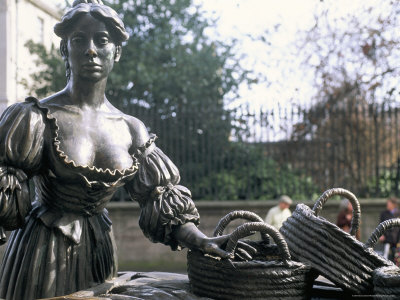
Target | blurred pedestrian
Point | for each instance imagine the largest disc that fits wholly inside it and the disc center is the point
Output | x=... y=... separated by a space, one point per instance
x=279 y=213
x=391 y=236
x=345 y=216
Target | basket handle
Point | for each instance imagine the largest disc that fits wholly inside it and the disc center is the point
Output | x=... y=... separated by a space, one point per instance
x=238 y=214
x=355 y=221
x=248 y=228
x=381 y=229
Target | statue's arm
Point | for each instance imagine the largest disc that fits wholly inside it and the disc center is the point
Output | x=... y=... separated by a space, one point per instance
x=168 y=213
x=21 y=147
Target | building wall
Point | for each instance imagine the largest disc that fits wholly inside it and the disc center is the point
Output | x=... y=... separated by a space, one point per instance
x=20 y=21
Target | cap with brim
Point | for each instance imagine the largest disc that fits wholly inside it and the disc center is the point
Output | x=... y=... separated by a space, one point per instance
x=285 y=199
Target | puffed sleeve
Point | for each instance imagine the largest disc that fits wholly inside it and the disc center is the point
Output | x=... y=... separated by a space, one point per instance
x=21 y=145
x=164 y=203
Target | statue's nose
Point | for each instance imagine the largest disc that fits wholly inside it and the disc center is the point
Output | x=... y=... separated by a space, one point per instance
x=91 y=51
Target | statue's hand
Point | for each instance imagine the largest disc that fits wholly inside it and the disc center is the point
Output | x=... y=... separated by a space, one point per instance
x=213 y=245
x=190 y=236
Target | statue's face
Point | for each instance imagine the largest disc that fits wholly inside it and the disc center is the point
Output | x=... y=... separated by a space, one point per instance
x=91 y=51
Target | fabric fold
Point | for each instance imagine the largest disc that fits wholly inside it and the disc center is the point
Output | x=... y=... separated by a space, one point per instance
x=71 y=225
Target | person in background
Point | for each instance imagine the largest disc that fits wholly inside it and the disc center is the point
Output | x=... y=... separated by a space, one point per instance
x=279 y=213
x=345 y=215
x=390 y=237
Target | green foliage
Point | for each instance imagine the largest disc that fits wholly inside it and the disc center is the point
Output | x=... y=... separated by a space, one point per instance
x=385 y=185
x=256 y=176
x=168 y=60
x=221 y=186
x=50 y=76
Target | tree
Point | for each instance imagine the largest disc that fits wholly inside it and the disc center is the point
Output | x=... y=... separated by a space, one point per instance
x=172 y=77
x=50 y=76
x=356 y=78
x=357 y=49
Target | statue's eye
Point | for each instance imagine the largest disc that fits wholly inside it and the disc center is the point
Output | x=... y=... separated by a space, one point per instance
x=77 y=40
x=103 y=40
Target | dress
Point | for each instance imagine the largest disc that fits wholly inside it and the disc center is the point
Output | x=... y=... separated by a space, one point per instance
x=63 y=242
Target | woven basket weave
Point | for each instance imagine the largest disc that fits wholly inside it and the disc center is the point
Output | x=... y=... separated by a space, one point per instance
x=270 y=275
x=386 y=280
x=334 y=253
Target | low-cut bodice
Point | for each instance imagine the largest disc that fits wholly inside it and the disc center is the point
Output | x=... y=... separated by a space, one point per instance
x=77 y=186
x=93 y=137
x=36 y=139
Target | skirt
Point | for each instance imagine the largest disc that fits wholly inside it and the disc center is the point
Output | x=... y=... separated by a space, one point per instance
x=41 y=261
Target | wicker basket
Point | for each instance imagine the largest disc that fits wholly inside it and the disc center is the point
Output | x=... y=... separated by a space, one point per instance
x=270 y=275
x=334 y=253
x=386 y=280
x=258 y=248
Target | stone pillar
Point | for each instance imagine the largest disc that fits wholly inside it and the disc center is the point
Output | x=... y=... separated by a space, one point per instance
x=8 y=38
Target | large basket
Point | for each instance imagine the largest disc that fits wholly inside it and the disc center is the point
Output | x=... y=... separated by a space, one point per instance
x=334 y=253
x=271 y=275
x=386 y=279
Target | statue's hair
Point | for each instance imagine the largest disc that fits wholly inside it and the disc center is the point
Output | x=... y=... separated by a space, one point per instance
x=98 y=10
x=76 y=2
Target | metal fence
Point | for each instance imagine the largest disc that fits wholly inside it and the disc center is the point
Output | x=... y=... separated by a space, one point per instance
x=259 y=154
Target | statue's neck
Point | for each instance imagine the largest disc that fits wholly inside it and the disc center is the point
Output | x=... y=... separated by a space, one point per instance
x=87 y=93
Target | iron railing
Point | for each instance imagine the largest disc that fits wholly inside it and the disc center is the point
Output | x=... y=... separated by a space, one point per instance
x=258 y=154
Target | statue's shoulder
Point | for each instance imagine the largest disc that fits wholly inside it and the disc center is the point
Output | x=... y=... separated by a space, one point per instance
x=139 y=133
x=20 y=121
x=138 y=129
x=58 y=99
x=22 y=110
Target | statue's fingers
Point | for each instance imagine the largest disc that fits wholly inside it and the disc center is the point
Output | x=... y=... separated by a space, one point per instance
x=214 y=249
x=239 y=257
x=246 y=247
x=244 y=254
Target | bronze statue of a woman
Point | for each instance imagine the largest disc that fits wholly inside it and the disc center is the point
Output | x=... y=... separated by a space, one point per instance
x=79 y=149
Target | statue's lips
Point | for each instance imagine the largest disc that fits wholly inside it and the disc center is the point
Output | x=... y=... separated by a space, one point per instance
x=92 y=67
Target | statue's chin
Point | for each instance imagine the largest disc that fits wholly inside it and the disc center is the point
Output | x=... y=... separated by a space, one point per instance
x=92 y=75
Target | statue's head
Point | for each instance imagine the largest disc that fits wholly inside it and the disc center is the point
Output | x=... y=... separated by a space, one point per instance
x=97 y=10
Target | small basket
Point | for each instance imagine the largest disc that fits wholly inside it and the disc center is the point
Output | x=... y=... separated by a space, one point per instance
x=272 y=275
x=334 y=253
x=386 y=279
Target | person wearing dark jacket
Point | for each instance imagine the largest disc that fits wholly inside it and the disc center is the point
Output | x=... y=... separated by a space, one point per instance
x=390 y=237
